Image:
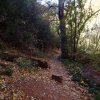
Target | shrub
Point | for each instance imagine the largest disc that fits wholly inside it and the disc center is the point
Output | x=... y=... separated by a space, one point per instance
x=8 y=71
x=22 y=20
x=75 y=69
x=23 y=62
x=26 y=63
x=97 y=96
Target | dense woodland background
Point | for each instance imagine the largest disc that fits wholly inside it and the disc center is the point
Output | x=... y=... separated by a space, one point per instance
x=28 y=24
x=34 y=29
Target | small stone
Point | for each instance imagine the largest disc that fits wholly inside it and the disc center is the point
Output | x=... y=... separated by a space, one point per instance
x=57 y=78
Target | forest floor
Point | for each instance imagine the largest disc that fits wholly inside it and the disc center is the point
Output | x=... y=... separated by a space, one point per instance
x=39 y=85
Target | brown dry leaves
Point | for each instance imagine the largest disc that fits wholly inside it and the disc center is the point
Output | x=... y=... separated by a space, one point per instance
x=38 y=84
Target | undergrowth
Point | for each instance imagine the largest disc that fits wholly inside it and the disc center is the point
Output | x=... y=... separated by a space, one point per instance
x=6 y=71
x=95 y=61
x=74 y=69
x=25 y=63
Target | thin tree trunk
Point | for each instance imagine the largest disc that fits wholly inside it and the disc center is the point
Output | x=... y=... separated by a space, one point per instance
x=64 y=49
x=75 y=34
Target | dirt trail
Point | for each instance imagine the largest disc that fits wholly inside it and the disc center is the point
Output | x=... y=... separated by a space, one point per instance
x=40 y=86
x=70 y=90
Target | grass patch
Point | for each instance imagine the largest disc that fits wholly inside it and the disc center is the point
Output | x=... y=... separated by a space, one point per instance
x=26 y=64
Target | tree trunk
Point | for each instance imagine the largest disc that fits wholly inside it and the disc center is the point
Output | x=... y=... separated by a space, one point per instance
x=75 y=34
x=64 y=49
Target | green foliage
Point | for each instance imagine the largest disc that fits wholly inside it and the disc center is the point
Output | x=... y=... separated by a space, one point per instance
x=95 y=61
x=8 y=71
x=97 y=96
x=22 y=20
x=89 y=58
x=75 y=69
x=90 y=40
x=25 y=63
x=76 y=17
